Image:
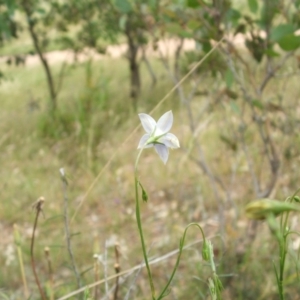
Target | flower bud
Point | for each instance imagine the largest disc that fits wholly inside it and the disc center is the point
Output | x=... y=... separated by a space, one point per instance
x=205 y=250
x=297 y=199
x=260 y=209
x=144 y=195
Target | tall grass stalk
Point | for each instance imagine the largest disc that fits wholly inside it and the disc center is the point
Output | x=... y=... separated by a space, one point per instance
x=139 y=222
x=96 y=274
x=20 y=258
x=67 y=229
x=281 y=233
x=50 y=273
x=117 y=269
x=38 y=207
x=181 y=248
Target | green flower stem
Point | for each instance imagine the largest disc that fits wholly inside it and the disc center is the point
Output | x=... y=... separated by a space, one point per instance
x=181 y=245
x=282 y=240
x=139 y=223
x=140 y=228
x=283 y=221
x=281 y=235
x=283 y=252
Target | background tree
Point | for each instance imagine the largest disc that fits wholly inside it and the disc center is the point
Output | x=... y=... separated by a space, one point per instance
x=38 y=17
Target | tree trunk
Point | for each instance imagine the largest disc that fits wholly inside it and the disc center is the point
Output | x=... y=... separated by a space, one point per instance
x=51 y=88
x=135 y=81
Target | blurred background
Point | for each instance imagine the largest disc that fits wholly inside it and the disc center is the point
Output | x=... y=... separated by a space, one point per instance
x=74 y=76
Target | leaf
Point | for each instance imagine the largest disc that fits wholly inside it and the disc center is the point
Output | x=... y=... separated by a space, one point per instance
x=192 y=3
x=234 y=107
x=193 y=24
x=173 y=27
x=41 y=11
x=144 y=193
x=122 y=22
x=123 y=6
x=206 y=46
x=229 y=78
x=296 y=199
x=270 y=106
x=271 y=53
x=233 y=16
x=144 y=196
x=256 y=47
x=268 y=12
x=11 y=6
x=253 y=5
x=257 y=103
x=280 y=31
x=185 y=34
x=231 y=94
x=152 y=4
x=170 y=14
x=289 y=42
x=229 y=142
x=241 y=28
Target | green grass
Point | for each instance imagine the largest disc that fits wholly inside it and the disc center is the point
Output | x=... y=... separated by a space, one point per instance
x=93 y=120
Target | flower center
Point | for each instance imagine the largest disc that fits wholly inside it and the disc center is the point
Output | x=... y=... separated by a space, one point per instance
x=155 y=136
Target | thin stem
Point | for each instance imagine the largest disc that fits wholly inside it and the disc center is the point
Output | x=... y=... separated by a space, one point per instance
x=96 y=274
x=67 y=229
x=282 y=240
x=117 y=269
x=51 y=281
x=283 y=224
x=139 y=223
x=38 y=206
x=20 y=256
x=181 y=244
x=105 y=268
x=281 y=269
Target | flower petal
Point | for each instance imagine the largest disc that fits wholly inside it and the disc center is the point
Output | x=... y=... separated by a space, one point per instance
x=144 y=140
x=170 y=140
x=162 y=151
x=165 y=122
x=148 y=122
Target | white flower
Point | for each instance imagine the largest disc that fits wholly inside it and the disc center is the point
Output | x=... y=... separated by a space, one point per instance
x=157 y=134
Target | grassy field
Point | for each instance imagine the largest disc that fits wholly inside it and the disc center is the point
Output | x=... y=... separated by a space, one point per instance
x=92 y=137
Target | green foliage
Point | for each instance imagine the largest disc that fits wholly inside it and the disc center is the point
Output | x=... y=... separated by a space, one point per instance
x=124 y=6
x=281 y=31
x=213 y=64
x=284 y=35
x=253 y=5
x=289 y=42
x=229 y=78
x=8 y=25
x=192 y=3
x=57 y=125
x=75 y=120
x=94 y=21
x=4 y=296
